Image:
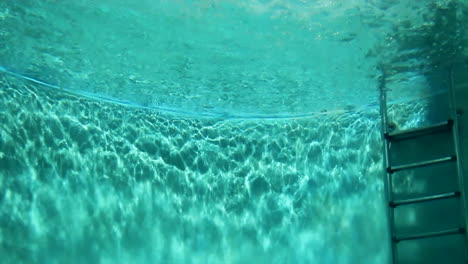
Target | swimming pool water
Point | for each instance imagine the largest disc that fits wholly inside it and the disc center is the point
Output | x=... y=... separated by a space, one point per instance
x=229 y=57
x=202 y=132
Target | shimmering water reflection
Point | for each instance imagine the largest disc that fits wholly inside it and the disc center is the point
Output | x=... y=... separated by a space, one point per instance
x=86 y=181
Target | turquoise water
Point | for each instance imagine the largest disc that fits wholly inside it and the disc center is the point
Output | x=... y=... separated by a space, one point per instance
x=204 y=132
x=228 y=57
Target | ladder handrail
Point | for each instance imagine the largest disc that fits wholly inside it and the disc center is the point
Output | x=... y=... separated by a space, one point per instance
x=387 y=181
x=456 y=141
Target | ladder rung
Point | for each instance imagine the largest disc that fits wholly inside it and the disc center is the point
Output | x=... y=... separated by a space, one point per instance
x=425 y=199
x=411 y=133
x=420 y=164
x=430 y=234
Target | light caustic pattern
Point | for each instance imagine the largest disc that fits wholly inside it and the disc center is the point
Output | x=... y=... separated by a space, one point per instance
x=90 y=182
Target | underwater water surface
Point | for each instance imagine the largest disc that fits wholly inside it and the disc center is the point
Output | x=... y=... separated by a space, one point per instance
x=230 y=57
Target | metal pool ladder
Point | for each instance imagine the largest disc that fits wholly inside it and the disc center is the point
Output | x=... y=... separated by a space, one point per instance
x=449 y=127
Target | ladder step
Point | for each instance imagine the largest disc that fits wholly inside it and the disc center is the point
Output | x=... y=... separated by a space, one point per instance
x=430 y=234
x=421 y=164
x=425 y=199
x=415 y=132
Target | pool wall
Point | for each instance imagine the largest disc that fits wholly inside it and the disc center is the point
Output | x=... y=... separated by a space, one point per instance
x=88 y=181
